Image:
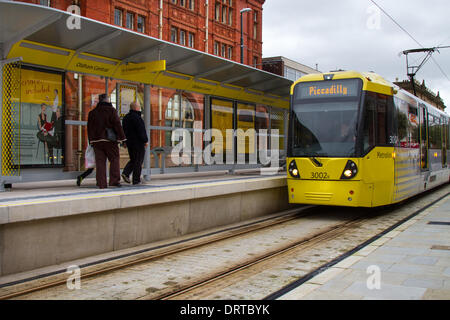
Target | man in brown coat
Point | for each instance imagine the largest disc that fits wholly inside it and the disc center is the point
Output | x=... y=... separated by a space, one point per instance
x=101 y=117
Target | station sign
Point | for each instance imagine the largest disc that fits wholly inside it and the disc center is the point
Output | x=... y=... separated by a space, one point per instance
x=141 y=68
x=92 y=64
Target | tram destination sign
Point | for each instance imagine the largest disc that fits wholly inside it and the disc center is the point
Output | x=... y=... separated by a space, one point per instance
x=327 y=89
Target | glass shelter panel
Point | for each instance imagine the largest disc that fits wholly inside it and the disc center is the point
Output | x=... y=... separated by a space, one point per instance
x=172 y=110
x=277 y=128
x=222 y=119
x=246 y=137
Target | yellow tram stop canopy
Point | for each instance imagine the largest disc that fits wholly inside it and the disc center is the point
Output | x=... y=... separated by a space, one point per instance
x=44 y=36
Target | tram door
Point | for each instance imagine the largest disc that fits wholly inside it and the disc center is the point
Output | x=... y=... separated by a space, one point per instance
x=423 y=137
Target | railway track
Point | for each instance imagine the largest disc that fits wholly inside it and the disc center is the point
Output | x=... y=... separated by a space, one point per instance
x=225 y=263
x=57 y=278
x=301 y=245
x=278 y=262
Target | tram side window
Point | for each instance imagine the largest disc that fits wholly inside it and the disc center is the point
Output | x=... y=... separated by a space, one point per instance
x=435 y=132
x=403 y=131
x=448 y=135
x=444 y=126
x=439 y=132
x=381 y=120
x=413 y=118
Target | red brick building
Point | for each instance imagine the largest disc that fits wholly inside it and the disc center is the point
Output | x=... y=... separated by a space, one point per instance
x=212 y=26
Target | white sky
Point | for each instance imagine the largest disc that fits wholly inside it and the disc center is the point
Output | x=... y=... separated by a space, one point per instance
x=353 y=35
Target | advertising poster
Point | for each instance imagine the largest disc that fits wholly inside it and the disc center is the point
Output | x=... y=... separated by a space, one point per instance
x=42 y=122
x=127 y=94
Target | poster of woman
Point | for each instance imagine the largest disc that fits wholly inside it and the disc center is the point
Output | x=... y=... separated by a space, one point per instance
x=41 y=121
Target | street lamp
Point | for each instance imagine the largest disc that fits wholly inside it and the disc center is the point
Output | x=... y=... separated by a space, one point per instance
x=242 y=34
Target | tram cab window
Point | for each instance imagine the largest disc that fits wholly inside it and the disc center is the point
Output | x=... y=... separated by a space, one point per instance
x=369 y=122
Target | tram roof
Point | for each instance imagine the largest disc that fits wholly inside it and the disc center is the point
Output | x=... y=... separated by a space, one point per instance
x=40 y=36
x=371 y=80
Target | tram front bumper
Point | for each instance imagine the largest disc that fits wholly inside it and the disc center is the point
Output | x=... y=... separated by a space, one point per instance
x=331 y=193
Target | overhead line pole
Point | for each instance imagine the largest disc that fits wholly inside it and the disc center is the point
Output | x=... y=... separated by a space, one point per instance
x=411 y=71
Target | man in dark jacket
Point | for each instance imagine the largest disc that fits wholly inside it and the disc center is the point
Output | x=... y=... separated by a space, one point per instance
x=101 y=117
x=137 y=140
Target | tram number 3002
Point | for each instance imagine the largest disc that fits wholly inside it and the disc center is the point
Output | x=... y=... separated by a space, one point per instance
x=319 y=175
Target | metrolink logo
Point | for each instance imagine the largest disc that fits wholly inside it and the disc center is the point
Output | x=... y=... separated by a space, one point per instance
x=250 y=147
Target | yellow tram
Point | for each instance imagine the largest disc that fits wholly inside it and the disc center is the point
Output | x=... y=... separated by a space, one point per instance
x=357 y=140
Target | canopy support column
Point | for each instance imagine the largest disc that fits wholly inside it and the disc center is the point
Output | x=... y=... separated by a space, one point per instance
x=2 y=185
x=147 y=163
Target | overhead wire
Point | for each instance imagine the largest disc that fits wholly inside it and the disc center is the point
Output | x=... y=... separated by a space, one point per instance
x=414 y=39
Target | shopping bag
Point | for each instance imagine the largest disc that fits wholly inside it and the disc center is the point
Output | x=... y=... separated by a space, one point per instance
x=89 y=157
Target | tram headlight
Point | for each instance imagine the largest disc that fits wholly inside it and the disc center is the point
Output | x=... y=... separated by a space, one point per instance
x=293 y=170
x=350 y=170
x=348 y=173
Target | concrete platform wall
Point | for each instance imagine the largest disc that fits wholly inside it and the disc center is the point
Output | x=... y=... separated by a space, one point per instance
x=40 y=234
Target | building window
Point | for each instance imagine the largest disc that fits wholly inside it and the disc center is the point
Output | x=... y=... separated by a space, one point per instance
x=44 y=3
x=255 y=61
x=255 y=25
x=174 y=1
x=224 y=12
x=223 y=51
x=183 y=3
x=191 y=4
x=230 y=53
x=191 y=42
x=217 y=12
x=174 y=34
x=130 y=20
x=216 y=48
x=141 y=24
x=292 y=74
x=118 y=17
x=182 y=37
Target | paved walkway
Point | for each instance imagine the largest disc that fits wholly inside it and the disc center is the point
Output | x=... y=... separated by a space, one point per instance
x=410 y=262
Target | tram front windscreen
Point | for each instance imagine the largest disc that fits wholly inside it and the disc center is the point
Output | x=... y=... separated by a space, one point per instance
x=324 y=118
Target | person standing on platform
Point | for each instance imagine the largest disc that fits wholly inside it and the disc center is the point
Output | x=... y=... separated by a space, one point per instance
x=137 y=141
x=101 y=120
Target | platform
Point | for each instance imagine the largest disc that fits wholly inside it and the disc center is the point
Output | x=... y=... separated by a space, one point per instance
x=412 y=262
x=47 y=223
